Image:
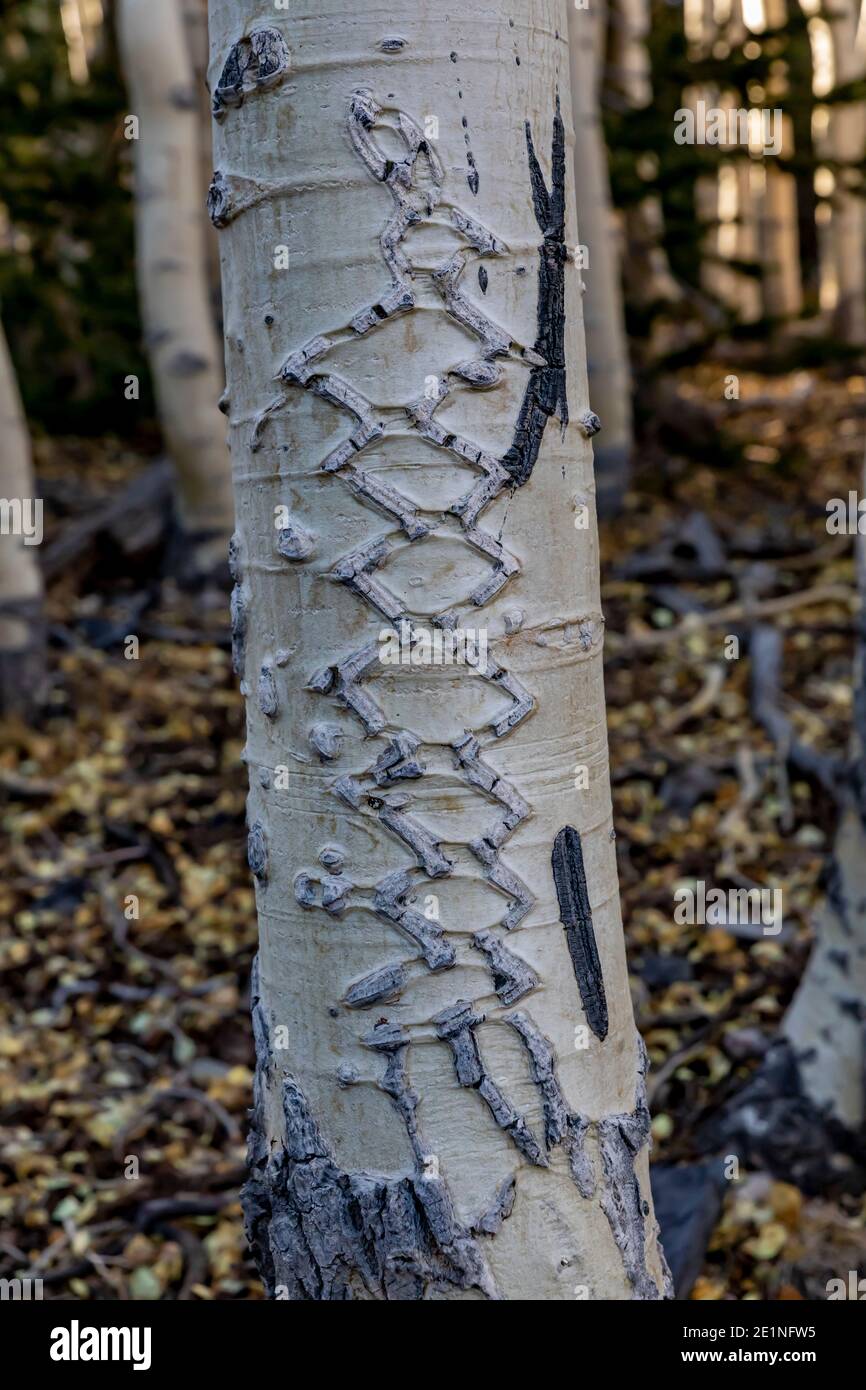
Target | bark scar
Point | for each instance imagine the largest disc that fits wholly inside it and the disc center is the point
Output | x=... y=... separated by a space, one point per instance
x=545 y=393
x=575 y=913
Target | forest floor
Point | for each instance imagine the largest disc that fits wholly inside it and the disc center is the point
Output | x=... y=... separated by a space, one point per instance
x=125 y=1049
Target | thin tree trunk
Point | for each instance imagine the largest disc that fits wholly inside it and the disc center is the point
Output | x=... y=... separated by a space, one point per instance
x=780 y=247
x=21 y=627
x=449 y=1097
x=179 y=329
x=195 y=24
x=847 y=144
x=648 y=276
x=825 y=1026
x=603 y=315
x=803 y=1114
x=800 y=80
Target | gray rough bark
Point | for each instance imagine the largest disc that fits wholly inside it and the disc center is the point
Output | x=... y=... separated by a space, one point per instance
x=449 y=1095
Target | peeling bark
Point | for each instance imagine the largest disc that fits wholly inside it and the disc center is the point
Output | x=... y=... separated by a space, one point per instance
x=413 y=1139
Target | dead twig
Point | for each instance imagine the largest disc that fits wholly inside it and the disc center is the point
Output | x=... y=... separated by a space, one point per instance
x=623 y=645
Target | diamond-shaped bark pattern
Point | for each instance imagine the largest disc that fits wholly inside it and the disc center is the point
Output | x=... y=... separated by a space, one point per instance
x=415 y=184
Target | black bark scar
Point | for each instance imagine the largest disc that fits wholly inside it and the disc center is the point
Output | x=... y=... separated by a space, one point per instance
x=545 y=393
x=575 y=914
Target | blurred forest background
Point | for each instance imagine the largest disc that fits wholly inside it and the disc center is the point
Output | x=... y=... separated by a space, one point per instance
x=743 y=305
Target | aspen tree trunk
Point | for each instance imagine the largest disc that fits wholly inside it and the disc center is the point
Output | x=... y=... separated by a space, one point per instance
x=847 y=141
x=21 y=630
x=825 y=1026
x=648 y=275
x=803 y=1114
x=603 y=315
x=195 y=25
x=629 y=57
x=749 y=195
x=449 y=1098
x=178 y=323
x=780 y=242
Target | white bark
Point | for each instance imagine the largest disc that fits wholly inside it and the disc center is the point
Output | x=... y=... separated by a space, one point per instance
x=375 y=391
x=630 y=64
x=603 y=315
x=179 y=329
x=195 y=26
x=21 y=635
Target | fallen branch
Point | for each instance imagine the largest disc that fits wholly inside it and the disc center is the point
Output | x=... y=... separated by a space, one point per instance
x=730 y=615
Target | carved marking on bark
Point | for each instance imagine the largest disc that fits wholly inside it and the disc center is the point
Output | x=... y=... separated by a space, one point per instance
x=575 y=914
x=546 y=390
x=456 y=1025
x=328 y=1235
x=561 y=1125
x=620 y=1139
x=324 y=1229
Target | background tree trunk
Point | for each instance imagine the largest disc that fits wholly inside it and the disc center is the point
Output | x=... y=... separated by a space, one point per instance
x=803 y=1113
x=195 y=22
x=648 y=277
x=825 y=1026
x=176 y=309
x=847 y=146
x=449 y=1098
x=21 y=629
x=603 y=315
x=780 y=247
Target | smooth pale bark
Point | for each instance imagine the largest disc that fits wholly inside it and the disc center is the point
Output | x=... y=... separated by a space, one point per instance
x=179 y=329
x=629 y=58
x=195 y=25
x=83 y=29
x=21 y=630
x=603 y=314
x=403 y=819
x=847 y=146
